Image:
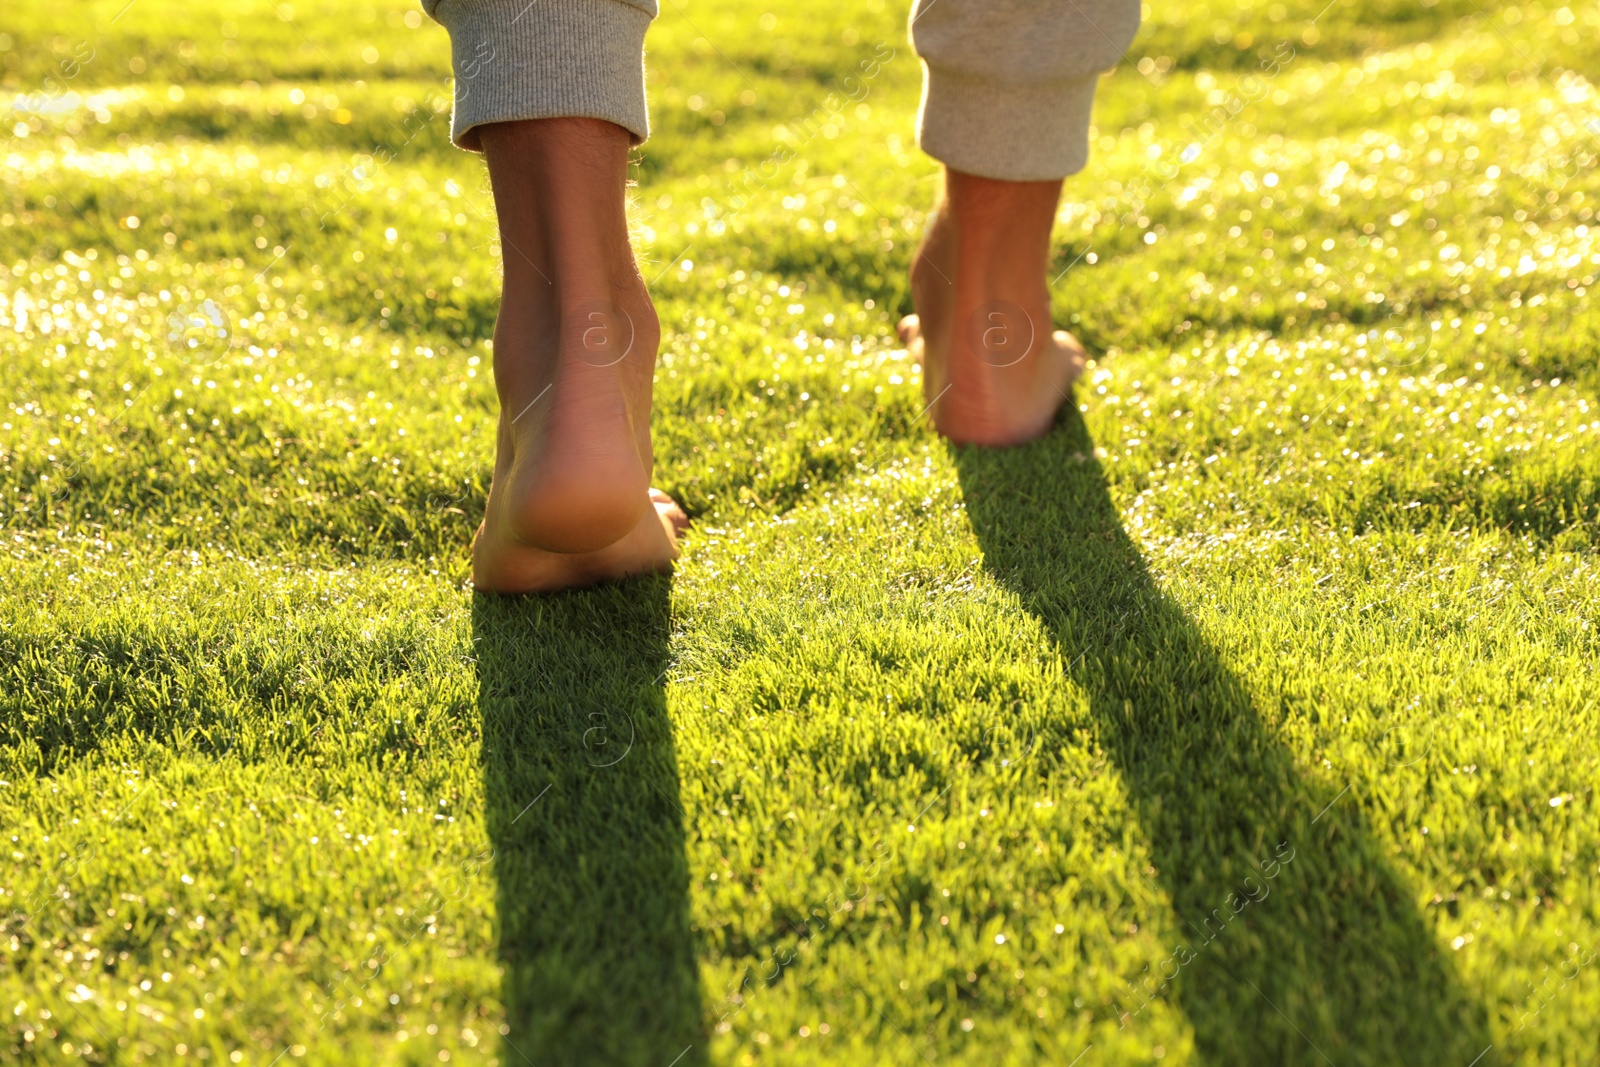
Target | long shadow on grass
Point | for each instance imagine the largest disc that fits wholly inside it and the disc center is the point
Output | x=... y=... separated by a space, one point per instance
x=582 y=797
x=1321 y=957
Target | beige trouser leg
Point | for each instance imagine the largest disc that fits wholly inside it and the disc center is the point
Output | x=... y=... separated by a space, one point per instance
x=1007 y=84
x=1006 y=94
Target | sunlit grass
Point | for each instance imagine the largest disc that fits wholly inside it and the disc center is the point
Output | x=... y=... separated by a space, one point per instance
x=924 y=754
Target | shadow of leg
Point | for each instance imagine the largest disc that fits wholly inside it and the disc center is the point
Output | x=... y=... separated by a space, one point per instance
x=1298 y=943
x=583 y=813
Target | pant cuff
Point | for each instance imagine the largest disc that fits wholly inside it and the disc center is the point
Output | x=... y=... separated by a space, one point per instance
x=545 y=59
x=1012 y=132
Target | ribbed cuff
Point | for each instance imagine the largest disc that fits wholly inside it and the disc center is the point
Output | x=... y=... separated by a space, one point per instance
x=546 y=59
x=1018 y=133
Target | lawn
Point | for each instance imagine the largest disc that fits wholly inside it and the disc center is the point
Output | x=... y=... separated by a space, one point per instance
x=1247 y=718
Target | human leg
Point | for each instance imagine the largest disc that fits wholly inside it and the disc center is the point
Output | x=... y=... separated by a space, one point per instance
x=1006 y=97
x=574 y=357
x=553 y=95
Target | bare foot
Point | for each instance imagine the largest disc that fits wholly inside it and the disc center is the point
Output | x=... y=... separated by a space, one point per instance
x=1011 y=408
x=574 y=358
x=574 y=456
x=994 y=373
x=502 y=564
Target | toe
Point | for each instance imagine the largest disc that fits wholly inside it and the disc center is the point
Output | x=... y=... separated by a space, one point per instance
x=675 y=517
x=1076 y=357
x=670 y=512
x=1069 y=343
x=667 y=549
x=908 y=329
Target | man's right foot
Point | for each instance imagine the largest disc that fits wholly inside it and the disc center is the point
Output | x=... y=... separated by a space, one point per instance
x=994 y=372
x=1010 y=408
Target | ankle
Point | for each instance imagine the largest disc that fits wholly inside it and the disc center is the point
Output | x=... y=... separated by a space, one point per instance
x=1002 y=232
x=560 y=188
x=612 y=327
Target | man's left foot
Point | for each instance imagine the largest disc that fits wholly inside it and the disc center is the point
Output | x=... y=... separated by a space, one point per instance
x=503 y=564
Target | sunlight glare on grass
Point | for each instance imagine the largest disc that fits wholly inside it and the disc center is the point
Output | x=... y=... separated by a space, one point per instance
x=1246 y=718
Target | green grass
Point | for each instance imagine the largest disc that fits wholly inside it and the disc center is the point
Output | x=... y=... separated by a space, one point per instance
x=1248 y=718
